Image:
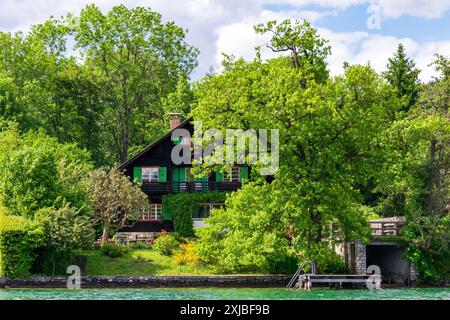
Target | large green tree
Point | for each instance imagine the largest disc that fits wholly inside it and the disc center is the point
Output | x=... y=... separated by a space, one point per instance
x=37 y=171
x=404 y=77
x=139 y=60
x=328 y=146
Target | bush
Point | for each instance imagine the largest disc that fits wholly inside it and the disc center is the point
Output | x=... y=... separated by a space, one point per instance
x=19 y=240
x=166 y=244
x=180 y=206
x=282 y=264
x=66 y=230
x=141 y=246
x=114 y=250
x=187 y=254
x=327 y=261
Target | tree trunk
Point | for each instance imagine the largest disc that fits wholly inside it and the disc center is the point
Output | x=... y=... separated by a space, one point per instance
x=105 y=235
x=125 y=142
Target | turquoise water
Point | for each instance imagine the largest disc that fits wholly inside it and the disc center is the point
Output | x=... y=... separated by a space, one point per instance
x=223 y=294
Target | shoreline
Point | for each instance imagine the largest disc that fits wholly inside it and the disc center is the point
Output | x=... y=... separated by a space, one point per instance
x=174 y=281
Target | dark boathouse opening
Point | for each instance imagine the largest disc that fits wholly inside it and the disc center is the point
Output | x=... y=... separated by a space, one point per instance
x=389 y=257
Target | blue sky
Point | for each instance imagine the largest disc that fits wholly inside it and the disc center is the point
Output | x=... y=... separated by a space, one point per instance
x=216 y=26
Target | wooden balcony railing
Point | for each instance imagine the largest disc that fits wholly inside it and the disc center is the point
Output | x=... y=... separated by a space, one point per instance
x=386 y=228
x=174 y=187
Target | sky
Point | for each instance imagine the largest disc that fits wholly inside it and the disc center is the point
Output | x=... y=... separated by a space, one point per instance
x=359 y=31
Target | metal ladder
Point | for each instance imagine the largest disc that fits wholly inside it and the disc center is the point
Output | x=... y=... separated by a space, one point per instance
x=301 y=277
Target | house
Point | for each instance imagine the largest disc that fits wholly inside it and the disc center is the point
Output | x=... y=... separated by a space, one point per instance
x=154 y=169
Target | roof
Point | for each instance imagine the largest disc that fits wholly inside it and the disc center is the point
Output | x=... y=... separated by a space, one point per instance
x=389 y=219
x=154 y=143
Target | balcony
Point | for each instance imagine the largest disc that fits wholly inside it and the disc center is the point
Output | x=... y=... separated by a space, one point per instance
x=175 y=187
x=387 y=227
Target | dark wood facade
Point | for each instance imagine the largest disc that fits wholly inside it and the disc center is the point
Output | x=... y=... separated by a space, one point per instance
x=172 y=178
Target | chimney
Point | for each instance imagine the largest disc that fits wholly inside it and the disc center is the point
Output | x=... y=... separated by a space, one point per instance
x=174 y=120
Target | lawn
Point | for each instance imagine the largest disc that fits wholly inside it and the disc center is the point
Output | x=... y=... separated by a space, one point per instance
x=140 y=263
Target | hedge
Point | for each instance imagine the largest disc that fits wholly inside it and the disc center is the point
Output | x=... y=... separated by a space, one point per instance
x=19 y=239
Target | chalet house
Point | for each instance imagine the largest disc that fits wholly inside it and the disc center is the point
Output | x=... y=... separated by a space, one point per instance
x=158 y=175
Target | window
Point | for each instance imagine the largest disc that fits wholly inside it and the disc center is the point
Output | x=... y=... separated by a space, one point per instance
x=232 y=175
x=156 y=211
x=150 y=174
x=201 y=211
x=204 y=210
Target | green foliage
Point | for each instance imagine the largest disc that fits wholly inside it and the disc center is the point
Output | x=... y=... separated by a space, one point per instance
x=327 y=132
x=114 y=250
x=19 y=240
x=308 y=50
x=181 y=205
x=66 y=230
x=327 y=260
x=404 y=77
x=282 y=264
x=166 y=244
x=39 y=172
x=133 y=49
x=114 y=199
x=427 y=239
x=43 y=85
x=415 y=165
x=140 y=246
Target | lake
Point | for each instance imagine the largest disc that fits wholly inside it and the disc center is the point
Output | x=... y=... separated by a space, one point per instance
x=224 y=294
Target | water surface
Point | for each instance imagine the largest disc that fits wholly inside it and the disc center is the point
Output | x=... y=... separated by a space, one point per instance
x=223 y=294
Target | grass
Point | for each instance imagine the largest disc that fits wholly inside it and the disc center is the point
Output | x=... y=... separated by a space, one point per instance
x=140 y=263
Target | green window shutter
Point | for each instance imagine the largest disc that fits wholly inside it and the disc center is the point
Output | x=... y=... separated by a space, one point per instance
x=137 y=174
x=182 y=174
x=219 y=176
x=162 y=174
x=176 y=175
x=243 y=173
x=166 y=213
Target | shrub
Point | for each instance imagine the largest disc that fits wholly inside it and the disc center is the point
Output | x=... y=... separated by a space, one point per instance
x=19 y=240
x=281 y=264
x=141 y=246
x=166 y=245
x=66 y=230
x=114 y=250
x=327 y=260
x=187 y=254
x=180 y=206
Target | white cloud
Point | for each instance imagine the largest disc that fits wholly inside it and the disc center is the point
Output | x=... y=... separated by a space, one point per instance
x=357 y=47
x=417 y=8
x=390 y=8
x=217 y=26
x=240 y=39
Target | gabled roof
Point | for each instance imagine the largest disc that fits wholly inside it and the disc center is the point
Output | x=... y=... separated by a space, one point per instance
x=153 y=144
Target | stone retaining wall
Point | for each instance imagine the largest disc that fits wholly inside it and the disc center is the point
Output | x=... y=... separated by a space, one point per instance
x=279 y=281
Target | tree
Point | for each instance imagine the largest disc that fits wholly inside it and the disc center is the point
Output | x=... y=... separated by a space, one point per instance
x=308 y=50
x=115 y=200
x=328 y=147
x=66 y=229
x=39 y=172
x=139 y=60
x=404 y=77
x=48 y=89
